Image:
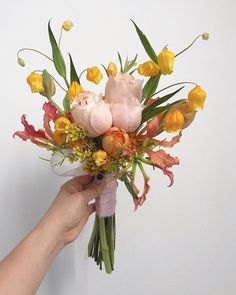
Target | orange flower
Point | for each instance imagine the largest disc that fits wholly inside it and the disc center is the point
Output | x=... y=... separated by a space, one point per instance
x=59 y=138
x=115 y=140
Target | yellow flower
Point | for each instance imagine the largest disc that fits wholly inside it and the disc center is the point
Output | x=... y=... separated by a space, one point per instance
x=58 y=137
x=61 y=124
x=196 y=98
x=100 y=157
x=35 y=82
x=148 y=69
x=173 y=121
x=74 y=90
x=112 y=69
x=94 y=75
x=67 y=25
x=165 y=61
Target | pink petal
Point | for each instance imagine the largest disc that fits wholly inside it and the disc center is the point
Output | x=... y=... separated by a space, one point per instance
x=100 y=117
x=50 y=111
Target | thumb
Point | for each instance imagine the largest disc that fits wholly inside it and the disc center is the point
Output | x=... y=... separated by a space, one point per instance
x=94 y=190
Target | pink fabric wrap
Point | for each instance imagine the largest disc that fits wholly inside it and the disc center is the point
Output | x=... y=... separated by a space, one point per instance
x=106 y=202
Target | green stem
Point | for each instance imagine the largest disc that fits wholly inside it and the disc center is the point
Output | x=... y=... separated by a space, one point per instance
x=59 y=43
x=31 y=49
x=104 y=246
x=145 y=161
x=67 y=83
x=110 y=238
x=188 y=46
x=82 y=73
x=54 y=80
x=142 y=170
x=176 y=84
x=56 y=106
x=92 y=239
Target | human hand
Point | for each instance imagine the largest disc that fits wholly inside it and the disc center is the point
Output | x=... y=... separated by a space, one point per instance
x=70 y=210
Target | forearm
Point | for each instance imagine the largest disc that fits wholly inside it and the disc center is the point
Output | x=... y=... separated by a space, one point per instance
x=22 y=271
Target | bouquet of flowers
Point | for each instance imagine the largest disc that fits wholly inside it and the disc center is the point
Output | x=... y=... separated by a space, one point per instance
x=112 y=134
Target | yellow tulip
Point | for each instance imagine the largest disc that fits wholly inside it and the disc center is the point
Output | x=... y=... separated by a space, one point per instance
x=67 y=25
x=112 y=69
x=94 y=75
x=74 y=90
x=61 y=124
x=148 y=69
x=100 y=157
x=166 y=61
x=35 y=82
x=196 y=98
x=173 y=121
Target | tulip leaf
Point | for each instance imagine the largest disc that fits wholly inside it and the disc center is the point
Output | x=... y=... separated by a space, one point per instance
x=129 y=64
x=73 y=74
x=105 y=70
x=159 y=101
x=150 y=87
x=129 y=187
x=66 y=103
x=146 y=44
x=120 y=61
x=56 y=54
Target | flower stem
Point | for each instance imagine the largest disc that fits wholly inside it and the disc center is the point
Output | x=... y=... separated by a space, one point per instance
x=59 y=43
x=176 y=84
x=31 y=49
x=104 y=246
x=189 y=45
x=55 y=105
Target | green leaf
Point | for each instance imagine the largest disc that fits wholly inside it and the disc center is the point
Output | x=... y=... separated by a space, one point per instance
x=160 y=101
x=120 y=60
x=146 y=44
x=56 y=54
x=129 y=188
x=73 y=74
x=66 y=103
x=130 y=64
x=105 y=70
x=150 y=87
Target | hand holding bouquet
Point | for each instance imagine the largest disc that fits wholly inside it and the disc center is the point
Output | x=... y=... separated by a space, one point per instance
x=111 y=134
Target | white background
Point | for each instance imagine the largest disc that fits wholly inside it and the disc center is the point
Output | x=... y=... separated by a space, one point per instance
x=183 y=240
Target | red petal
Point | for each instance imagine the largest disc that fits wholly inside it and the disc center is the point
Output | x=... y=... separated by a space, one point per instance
x=146 y=189
x=30 y=130
x=153 y=127
x=46 y=125
x=162 y=159
x=170 y=144
x=170 y=175
x=50 y=111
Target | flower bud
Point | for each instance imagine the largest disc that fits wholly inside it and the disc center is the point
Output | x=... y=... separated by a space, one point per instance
x=148 y=69
x=100 y=157
x=166 y=61
x=205 y=36
x=61 y=124
x=112 y=69
x=184 y=108
x=74 y=91
x=35 y=82
x=48 y=84
x=59 y=138
x=196 y=98
x=21 y=62
x=115 y=140
x=94 y=75
x=67 y=25
x=173 y=121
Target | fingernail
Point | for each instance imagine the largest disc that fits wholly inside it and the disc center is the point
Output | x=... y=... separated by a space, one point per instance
x=99 y=176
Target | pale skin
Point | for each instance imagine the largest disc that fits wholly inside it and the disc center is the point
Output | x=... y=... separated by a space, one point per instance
x=22 y=271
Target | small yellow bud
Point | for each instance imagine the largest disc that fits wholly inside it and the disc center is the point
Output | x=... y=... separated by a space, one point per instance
x=61 y=124
x=74 y=91
x=148 y=69
x=112 y=69
x=35 y=82
x=205 y=36
x=196 y=98
x=184 y=108
x=173 y=121
x=166 y=61
x=100 y=157
x=21 y=62
x=67 y=25
x=94 y=75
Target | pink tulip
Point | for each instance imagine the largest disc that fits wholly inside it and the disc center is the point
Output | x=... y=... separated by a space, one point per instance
x=124 y=93
x=92 y=113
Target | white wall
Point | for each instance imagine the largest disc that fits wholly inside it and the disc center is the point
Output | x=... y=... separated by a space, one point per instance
x=183 y=240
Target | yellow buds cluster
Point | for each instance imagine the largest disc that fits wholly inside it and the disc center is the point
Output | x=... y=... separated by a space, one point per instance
x=94 y=75
x=112 y=69
x=166 y=61
x=74 y=91
x=67 y=25
x=173 y=121
x=100 y=157
x=196 y=98
x=148 y=69
x=35 y=82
